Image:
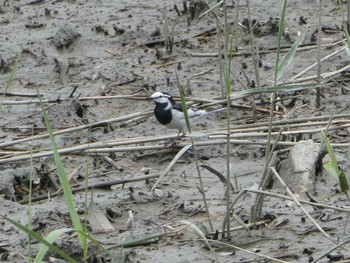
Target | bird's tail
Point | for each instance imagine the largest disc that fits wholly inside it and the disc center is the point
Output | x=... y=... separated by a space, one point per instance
x=196 y=113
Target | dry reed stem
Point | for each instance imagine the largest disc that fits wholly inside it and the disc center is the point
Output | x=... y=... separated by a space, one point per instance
x=78 y=128
x=245 y=190
x=330 y=250
x=86 y=148
x=290 y=121
x=246 y=251
x=237 y=129
x=320 y=205
x=100 y=185
x=324 y=76
x=296 y=132
x=268 y=50
x=315 y=64
x=278 y=177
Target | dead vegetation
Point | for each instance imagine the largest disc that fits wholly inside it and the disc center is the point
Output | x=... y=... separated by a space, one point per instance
x=94 y=77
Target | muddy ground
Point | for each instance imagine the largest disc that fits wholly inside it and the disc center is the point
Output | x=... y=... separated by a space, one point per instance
x=85 y=57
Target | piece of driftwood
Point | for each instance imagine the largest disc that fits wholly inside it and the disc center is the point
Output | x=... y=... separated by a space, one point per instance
x=298 y=170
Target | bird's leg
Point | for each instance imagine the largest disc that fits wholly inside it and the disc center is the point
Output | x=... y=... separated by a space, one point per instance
x=173 y=142
x=178 y=135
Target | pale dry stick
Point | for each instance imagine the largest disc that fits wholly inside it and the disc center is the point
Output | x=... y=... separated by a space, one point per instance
x=245 y=190
x=236 y=105
x=134 y=120
x=271 y=160
x=314 y=65
x=210 y=9
x=78 y=128
x=230 y=209
x=249 y=225
x=59 y=189
x=202 y=73
x=221 y=66
x=263 y=51
x=246 y=251
x=100 y=185
x=77 y=151
x=295 y=125
x=319 y=31
x=330 y=250
x=36 y=101
x=169 y=63
x=112 y=163
x=323 y=75
x=254 y=47
x=290 y=121
x=112 y=143
x=296 y=132
x=320 y=205
x=278 y=177
x=227 y=82
x=207 y=143
x=205 y=255
x=336 y=72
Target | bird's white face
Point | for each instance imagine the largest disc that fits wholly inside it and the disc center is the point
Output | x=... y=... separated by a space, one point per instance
x=160 y=97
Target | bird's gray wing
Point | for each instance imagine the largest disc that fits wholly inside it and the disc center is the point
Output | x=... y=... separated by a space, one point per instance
x=178 y=106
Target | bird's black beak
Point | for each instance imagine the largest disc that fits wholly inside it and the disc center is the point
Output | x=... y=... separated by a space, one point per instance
x=149 y=98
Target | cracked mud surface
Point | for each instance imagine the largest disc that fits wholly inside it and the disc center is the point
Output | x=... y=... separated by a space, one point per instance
x=84 y=57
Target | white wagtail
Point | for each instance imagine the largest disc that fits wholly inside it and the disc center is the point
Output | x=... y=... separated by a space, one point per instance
x=170 y=114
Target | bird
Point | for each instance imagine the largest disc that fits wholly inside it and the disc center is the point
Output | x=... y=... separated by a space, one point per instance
x=170 y=114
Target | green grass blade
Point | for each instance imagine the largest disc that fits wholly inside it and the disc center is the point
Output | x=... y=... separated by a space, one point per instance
x=67 y=191
x=39 y=238
x=102 y=248
x=280 y=36
x=9 y=81
x=345 y=26
x=289 y=57
x=51 y=237
x=184 y=107
x=200 y=234
x=344 y=182
x=30 y=192
x=331 y=170
x=171 y=164
x=330 y=151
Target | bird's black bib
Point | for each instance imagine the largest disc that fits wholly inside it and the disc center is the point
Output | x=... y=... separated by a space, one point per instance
x=163 y=116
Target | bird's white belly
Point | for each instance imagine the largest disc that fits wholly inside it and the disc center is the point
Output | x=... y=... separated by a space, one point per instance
x=178 y=121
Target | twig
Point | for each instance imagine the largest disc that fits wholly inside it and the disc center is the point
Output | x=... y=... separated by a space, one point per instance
x=319 y=31
x=239 y=129
x=78 y=128
x=249 y=225
x=255 y=54
x=324 y=76
x=102 y=185
x=270 y=161
x=245 y=190
x=111 y=162
x=296 y=132
x=301 y=201
x=247 y=251
x=19 y=94
x=330 y=250
x=315 y=64
x=201 y=184
x=265 y=51
x=82 y=149
x=290 y=121
x=278 y=177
